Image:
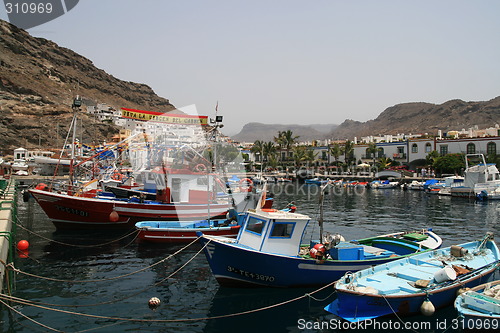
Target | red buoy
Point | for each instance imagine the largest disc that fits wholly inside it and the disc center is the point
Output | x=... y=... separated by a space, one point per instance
x=113 y=216
x=318 y=251
x=23 y=245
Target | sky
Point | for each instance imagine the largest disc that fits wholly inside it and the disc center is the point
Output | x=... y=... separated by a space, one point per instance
x=290 y=61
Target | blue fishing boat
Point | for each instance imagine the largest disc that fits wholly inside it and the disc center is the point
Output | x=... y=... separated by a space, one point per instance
x=268 y=251
x=420 y=283
x=479 y=307
x=315 y=181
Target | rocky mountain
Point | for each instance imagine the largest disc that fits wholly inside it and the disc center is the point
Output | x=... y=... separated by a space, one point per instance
x=38 y=81
x=266 y=132
x=424 y=118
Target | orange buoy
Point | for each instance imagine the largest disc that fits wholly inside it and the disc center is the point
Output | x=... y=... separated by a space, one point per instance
x=114 y=216
x=23 y=245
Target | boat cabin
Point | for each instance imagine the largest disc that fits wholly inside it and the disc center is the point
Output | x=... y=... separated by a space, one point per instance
x=184 y=185
x=273 y=231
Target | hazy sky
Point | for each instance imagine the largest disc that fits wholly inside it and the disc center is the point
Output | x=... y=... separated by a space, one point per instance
x=290 y=61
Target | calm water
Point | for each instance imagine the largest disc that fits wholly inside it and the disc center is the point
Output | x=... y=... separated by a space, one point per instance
x=193 y=293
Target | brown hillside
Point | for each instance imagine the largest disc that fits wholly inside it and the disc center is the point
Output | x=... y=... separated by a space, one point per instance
x=424 y=118
x=38 y=81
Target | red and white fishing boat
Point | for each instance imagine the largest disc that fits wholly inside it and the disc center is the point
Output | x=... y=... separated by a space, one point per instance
x=93 y=209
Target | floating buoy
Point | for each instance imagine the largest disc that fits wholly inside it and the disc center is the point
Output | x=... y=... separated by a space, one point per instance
x=427 y=308
x=318 y=252
x=154 y=302
x=114 y=216
x=23 y=245
x=23 y=254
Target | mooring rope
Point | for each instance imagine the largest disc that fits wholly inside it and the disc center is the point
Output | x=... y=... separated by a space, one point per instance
x=76 y=245
x=25 y=302
x=129 y=296
x=30 y=319
x=17 y=270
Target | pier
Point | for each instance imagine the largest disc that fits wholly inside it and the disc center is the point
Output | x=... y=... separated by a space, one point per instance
x=8 y=211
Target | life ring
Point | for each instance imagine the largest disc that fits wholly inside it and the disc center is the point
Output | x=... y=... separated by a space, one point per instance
x=117 y=176
x=246 y=185
x=200 y=168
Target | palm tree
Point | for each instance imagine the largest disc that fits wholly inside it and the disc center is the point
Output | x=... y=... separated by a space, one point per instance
x=372 y=150
x=268 y=149
x=348 y=152
x=258 y=149
x=299 y=155
x=310 y=155
x=384 y=163
x=288 y=140
x=336 y=150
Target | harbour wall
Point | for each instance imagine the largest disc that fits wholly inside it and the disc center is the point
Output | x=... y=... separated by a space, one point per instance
x=8 y=211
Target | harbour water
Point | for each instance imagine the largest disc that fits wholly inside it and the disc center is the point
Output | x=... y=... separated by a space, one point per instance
x=103 y=285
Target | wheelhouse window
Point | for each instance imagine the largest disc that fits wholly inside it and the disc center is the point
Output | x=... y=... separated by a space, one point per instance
x=282 y=230
x=255 y=225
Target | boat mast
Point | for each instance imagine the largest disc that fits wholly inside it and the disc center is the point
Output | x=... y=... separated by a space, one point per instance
x=77 y=103
x=320 y=219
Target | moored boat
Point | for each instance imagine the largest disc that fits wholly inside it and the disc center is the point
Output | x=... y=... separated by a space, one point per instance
x=185 y=231
x=406 y=286
x=479 y=307
x=268 y=251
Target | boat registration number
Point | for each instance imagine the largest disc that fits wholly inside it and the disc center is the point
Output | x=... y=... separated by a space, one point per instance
x=71 y=210
x=255 y=276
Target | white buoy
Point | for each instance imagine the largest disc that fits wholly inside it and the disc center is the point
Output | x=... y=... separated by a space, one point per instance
x=427 y=308
x=154 y=302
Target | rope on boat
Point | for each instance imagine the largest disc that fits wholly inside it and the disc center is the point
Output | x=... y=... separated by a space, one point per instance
x=77 y=245
x=26 y=302
x=134 y=294
x=396 y=314
x=17 y=270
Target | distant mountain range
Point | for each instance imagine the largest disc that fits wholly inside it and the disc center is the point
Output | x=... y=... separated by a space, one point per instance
x=266 y=132
x=409 y=118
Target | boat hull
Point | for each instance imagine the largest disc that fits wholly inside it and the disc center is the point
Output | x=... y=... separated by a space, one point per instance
x=72 y=212
x=234 y=266
x=397 y=297
x=184 y=235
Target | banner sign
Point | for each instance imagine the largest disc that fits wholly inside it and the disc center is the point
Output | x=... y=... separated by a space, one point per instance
x=171 y=118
